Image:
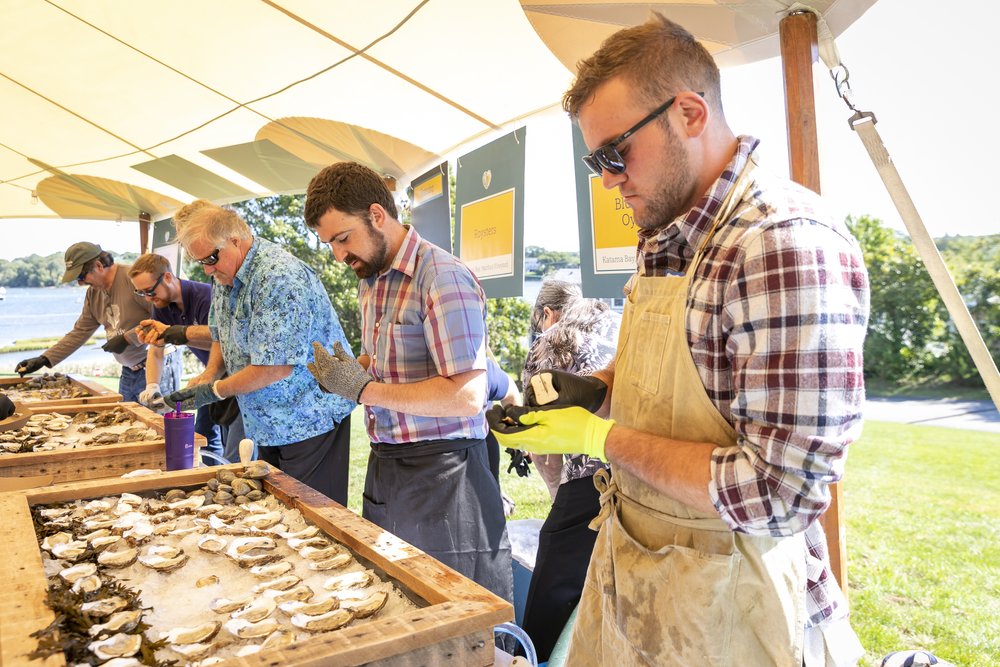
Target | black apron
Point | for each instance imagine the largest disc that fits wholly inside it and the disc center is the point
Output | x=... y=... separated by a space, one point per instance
x=440 y=496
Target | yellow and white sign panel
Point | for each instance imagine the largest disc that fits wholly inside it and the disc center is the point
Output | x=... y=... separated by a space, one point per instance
x=614 y=232
x=430 y=189
x=487 y=242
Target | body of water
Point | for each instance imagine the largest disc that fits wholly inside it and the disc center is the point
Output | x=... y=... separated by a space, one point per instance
x=40 y=312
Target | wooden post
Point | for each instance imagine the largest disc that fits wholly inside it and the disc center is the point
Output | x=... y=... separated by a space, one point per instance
x=143 y=232
x=799 y=51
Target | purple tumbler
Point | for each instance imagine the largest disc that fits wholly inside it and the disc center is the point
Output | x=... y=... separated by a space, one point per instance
x=178 y=431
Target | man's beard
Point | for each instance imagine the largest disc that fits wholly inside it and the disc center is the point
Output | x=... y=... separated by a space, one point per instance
x=374 y=264
x=675 y=191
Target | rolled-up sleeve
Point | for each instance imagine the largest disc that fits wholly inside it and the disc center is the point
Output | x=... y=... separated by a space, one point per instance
x=796 y=309
x=454 y=329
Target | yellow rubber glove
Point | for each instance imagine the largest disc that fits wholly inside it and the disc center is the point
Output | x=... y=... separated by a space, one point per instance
x=571 y=430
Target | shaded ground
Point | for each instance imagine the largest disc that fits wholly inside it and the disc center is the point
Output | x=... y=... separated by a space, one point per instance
x=953 y=413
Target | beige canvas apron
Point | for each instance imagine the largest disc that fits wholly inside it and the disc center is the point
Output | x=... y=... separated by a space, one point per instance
x=669 y=585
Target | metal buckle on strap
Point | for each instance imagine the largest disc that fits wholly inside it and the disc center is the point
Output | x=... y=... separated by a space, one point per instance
x=138 y=367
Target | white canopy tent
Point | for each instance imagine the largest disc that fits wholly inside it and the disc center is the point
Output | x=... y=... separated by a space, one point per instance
x=115 y=108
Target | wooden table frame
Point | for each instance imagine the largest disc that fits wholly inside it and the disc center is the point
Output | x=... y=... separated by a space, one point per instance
x=454 y=628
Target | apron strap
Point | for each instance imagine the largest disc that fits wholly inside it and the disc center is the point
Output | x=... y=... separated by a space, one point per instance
x=607 y=487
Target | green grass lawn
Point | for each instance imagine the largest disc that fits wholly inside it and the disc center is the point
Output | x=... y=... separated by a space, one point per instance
x=923 y=541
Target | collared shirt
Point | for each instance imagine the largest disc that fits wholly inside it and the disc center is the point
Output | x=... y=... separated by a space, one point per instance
x=274 y=310
x=197 y=300
x=776 y=320
x=425 y=316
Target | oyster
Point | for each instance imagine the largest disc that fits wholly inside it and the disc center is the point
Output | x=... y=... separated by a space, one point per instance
x=195 y=635
x=331 y=620
x=56 y=539
x=258 y=610
x=309 y=608
x=279 y=584
x=225 y=605
x=210 y=580
x=119 y=557
x=278 y=638
x=104 y=607
x=340 y=560
x=272 y=570
x=116 y=646
x=120 y=621
x=368 y=606
x=312 y=553
x=192 y=503
x=261 y=521
x=69 y=550
x=212 y=543
x=300 y=592
x=163 y=558
x=73 y=574
x=256 y=470
x=245 y=629
x=192 y=651
x=359 y=579
x=316 y=542
x=87 y=584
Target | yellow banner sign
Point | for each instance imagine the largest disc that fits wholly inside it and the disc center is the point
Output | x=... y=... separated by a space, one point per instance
x=487 y=241
x=614 y=231
x=430 y=189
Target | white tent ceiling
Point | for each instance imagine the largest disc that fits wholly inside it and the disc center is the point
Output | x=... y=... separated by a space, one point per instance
x=112 y=107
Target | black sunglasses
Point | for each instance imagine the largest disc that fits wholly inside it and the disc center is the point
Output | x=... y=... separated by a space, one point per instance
x=210 y=260
x=152 y=290
x=607 y=158
x=83 y=274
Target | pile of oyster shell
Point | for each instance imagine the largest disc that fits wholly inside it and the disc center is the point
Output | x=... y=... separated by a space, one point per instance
x=51 y=431
x=225 y=570
x=46 y=387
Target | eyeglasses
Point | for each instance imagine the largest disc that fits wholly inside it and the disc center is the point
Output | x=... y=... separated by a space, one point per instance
x=607 y=158
x=83 y=274
x=210 y=260
x=152 y=290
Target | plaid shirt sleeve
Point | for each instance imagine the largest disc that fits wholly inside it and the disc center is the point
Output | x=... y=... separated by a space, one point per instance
x=795 y=307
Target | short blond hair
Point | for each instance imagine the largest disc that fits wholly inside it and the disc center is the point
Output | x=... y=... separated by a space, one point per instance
x=205 y=221
x=659 y=58
x=150 y=263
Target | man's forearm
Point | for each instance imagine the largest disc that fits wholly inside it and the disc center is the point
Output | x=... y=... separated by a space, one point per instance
x=679 y=469
x=251 y=379
x=461 y=395
x=154 y=364
x=199 y=336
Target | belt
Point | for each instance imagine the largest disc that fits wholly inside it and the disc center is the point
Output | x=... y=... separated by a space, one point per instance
x=137 y=367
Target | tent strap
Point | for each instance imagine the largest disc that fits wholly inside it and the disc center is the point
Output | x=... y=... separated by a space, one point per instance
x=864 y=124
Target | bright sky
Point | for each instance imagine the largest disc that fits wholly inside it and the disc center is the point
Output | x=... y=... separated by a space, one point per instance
x=923 y=67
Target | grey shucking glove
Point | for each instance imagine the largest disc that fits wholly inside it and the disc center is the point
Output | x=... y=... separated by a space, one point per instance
x=175 y=334
x=116 y=344
x=339 y=373
x=586 y=391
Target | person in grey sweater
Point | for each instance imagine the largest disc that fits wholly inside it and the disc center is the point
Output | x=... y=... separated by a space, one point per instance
x=110 y=302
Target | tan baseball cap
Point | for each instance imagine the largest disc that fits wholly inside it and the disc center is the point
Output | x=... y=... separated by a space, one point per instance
x=76 y=256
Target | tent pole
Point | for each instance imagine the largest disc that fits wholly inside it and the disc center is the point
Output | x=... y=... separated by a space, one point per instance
x=143 y=232
x=799 y=50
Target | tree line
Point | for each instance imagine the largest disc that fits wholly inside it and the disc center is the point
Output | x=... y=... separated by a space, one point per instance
x=910 y=336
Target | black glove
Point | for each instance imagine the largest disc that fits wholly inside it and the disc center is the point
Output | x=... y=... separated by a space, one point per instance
x=116 y=344
x=33 y=364
x=175 y=334
x=586 y=391
x=6 y=407
x=519 y=462
x=505 y=420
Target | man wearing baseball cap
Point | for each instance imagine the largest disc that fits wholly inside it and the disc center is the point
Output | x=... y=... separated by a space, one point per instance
x=112 y=302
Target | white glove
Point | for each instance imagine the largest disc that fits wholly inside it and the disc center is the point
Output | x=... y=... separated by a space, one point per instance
x=153 y=399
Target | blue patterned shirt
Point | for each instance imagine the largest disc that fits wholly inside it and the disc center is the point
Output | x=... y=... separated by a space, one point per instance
x=270 y=316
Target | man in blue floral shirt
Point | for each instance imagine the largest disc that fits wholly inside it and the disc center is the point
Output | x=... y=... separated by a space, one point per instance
x=267 y=308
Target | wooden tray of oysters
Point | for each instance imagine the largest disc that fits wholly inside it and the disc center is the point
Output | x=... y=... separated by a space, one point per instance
x=84 y=441
x=233 y=565
x=51 y=389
